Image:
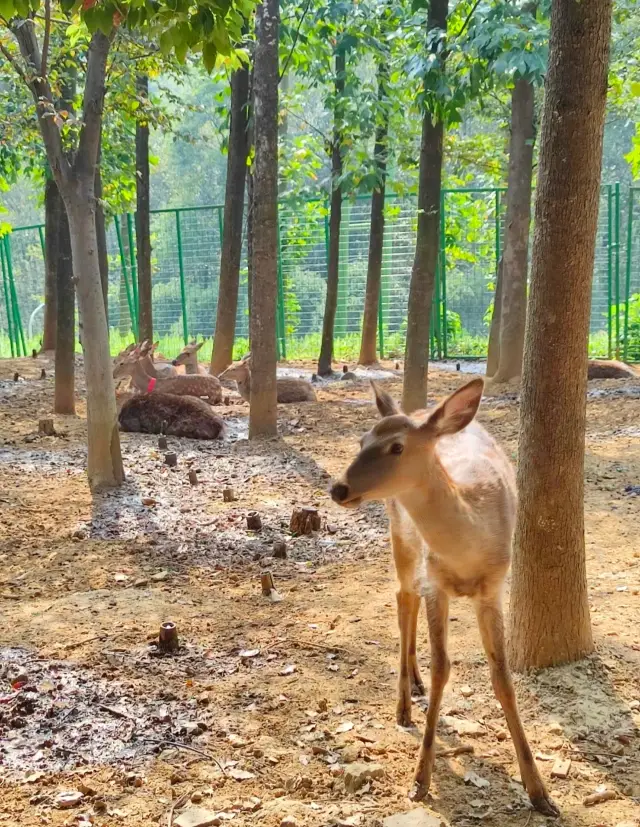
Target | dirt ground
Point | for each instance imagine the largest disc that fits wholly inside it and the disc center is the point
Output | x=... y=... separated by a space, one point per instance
x=257 y=715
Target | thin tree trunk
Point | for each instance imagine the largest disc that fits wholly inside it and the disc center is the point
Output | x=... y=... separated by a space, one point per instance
x=368 y=355
x=64 y=393
x=493 y=350
x=143 y=220
x=550 y=609
x=252 y=142
x=101 y=235
x=335 y=220
x=263 y=416
x=231 y=249
x=423 y=275
x=518 y=219
x=52 y=207
x=125 y=322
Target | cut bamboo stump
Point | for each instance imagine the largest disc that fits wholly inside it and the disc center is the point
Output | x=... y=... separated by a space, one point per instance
x=280 y=550
x=305 y=521
x=229 y=495
x=168 y=637
x=268 y=587
x=171 y=459
x=43 y=374
x=45 y=426
x=254 y=522
x=193 y=477
x=162 y=443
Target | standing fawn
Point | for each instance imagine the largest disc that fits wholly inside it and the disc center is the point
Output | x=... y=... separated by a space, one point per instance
x=450 y=495
x=203 y=386
x=289 y=389
x=188 y=357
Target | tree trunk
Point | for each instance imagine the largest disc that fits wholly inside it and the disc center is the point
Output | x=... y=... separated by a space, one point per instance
x=368 y=355
x=125 y=322
x=231 y=250
x=64 y=393
x=143 y=220
x=52 y=207
x=104 y=461
x=423 y=275
x=516 y=244
x=335 y=220
x=263 y=416
x=101 y=235
x=252 y=142
x=493 y=350
x=550 y=609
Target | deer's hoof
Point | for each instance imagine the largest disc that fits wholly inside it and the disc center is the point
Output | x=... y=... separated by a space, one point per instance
x=403 y=716
x=418 y=791
x=417 y=689
x=544 y=804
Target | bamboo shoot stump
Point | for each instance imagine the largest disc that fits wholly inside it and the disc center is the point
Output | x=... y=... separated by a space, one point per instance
x=168 y=638
x=268 y=587
x=305 y=521
x=45 y=426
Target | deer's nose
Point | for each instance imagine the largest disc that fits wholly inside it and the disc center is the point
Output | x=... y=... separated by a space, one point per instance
x=339 y=492
x=174 y=362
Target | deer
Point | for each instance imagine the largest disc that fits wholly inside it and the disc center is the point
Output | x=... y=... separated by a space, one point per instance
x=450 y=496
x=155 y=413
x=199 y=386
x=188 y=357
x=154 y=369
x=289 y=389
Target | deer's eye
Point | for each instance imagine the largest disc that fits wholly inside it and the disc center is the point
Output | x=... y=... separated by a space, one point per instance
x=396 y=448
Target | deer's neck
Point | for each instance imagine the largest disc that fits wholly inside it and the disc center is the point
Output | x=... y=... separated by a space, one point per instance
x=191 y=367
x=149 y=367
x=140 y=377
x=244 y=387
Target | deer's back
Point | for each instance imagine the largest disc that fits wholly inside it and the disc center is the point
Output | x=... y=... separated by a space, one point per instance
x=295 y=390
x=184 y=416
x=193 y=385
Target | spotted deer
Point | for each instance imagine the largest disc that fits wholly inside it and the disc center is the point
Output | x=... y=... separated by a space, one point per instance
x=450 y=495
x=188 y=357
x=289 y=389
x=202 y=386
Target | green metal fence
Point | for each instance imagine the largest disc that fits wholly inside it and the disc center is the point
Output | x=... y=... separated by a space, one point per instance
x=186 y=246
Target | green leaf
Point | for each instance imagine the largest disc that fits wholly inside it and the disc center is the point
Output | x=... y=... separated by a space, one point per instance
x=220 y=38
x=181 y=50
x=166 y=43
x=7 y=9
x=209 y=56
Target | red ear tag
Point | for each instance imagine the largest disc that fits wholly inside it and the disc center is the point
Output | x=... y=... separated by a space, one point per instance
x=152 y=384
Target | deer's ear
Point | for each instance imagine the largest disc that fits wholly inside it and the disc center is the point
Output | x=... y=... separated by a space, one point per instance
x=198 y=345
x=385 y=403
x=457 y=410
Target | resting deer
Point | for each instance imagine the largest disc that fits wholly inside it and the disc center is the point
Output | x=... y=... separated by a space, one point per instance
x=289 y=389
x=155 y=413
x=450 y=494
x=203 y=386
x=154 y=369
x=188 y=357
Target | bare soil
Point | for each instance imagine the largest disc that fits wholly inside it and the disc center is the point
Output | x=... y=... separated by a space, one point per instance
x=257 y=714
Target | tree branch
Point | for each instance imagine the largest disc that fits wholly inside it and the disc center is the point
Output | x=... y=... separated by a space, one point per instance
x=468 y=19
x=94 y=89
x=45 y=41
x=295 y=41
x=15 y=64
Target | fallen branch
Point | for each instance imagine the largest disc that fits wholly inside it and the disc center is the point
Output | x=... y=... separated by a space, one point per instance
x=188 y=747
x=174 y=806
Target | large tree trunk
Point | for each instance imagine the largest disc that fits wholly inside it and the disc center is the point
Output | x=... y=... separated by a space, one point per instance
x=493 y=349
x=231 y=250
x=52 y=207
x=263 y=416
x=64 y=393
x=423 y=275
x=368 y=355
x=335 y=220
x=550 y=609
x=143 y=220
x=516 y=243
x=101 y=236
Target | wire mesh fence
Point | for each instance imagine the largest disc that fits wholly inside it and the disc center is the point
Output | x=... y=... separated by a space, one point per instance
x=186 y=248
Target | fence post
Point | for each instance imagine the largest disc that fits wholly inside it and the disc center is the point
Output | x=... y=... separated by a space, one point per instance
x=617 y=266
x=627 y=286
x=281 y=350
x=17 y=321
x=609 y=269
x=41 y=234
x=134 y=268
x=183 y=294
x=125 y=276
x=443 y=271
x=7 y=301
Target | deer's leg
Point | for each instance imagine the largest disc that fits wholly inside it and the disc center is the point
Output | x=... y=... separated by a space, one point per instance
x=408 y=602
x=438 y=617
x=491 y=623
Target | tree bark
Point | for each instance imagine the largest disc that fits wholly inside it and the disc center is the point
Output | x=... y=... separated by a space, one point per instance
x=231 y=249
x=263 y=416
x=52 y=207
x=101 y=236
x=335 y=220
x=64 y=392
x=423 y=275
x=550 y=610
x=143 y=220
x=516 y=243
x=493 y=350
x=125 y=322
x=252 y=142
x=368 y=355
